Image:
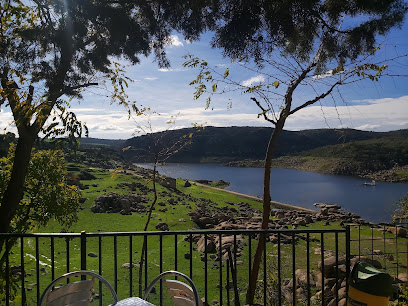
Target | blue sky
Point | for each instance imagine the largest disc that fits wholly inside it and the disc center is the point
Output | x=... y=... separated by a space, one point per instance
x=374 y=106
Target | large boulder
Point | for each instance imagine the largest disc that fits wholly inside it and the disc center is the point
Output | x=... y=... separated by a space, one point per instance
x=201 y=245
x=117 y=203
x=330 y=265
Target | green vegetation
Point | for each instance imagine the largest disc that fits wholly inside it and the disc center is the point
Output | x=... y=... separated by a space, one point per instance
x=115 y=181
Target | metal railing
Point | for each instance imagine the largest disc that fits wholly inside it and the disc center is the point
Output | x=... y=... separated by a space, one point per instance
x=385 y=247
x=219 y=262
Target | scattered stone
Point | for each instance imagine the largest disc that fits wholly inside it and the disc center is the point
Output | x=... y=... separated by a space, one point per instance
x=187 y=184
x=162 y=226
x=201 y=245
x=117 y=203
x=127 y=265
x=397 y=231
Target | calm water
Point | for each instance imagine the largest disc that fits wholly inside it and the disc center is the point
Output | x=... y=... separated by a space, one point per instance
x=373 y=203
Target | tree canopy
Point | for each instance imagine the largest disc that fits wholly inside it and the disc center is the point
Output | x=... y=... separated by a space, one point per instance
x=297 y=46
x=345 y=29
x=51 y=51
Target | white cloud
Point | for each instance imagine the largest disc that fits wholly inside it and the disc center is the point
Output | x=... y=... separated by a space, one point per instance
x=253 y=80
x=172 y=69
x=150 y=78
x=368 y=127
x=6 y=122
x=375 y=114
x=175 y=41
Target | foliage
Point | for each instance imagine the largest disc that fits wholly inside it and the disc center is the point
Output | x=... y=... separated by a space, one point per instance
x=303 y=53
x=401 y=213
x=47 y=194
x=47 y=198
x=51 y=51
x=346 y=29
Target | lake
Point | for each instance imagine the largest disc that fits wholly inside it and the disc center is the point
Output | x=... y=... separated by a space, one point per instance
x=373 y=203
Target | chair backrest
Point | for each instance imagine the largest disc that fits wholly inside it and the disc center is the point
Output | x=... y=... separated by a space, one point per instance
x=74 y=294
x=180 y=293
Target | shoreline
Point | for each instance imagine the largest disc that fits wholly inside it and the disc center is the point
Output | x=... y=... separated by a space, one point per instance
x=333 y=166
x=274 y=203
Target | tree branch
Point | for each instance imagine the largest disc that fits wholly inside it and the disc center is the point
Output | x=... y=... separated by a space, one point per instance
x=264 y=111
x=310 y=102
x=80 y=86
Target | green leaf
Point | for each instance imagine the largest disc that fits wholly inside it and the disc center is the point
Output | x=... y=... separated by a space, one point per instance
x=214 y=87
x=276 y=84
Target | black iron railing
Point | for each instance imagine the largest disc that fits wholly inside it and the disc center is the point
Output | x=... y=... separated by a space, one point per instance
x=384 y=246
x=219 y=262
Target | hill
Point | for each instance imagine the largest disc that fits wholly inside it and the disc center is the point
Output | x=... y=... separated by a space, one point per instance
x=101 y=143
x=226 y=144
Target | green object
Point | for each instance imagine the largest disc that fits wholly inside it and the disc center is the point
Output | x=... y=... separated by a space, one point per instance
x=366 y=278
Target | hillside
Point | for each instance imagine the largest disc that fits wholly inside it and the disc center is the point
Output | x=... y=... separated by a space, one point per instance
x=383 y=159
x=226 y=144
x=96 y=142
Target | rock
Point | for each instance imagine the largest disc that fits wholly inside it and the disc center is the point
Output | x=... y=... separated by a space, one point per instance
x=403 y=277
x=187 y=184
x=127 y=265
x=92 y=254
x=330 y=265
x=201 y=247
x=162 y=226
x=85 y=175
x=205 y=222
x=115 y=203
x=390 y=257
x=397 y=230
x=182 y=220
x=301 y=278
x=375 y=263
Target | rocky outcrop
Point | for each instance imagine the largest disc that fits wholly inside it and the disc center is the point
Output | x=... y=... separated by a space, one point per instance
x=117 y=203
x=334 y=280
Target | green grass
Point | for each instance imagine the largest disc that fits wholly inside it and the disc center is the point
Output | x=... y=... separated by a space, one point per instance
x=107 y=181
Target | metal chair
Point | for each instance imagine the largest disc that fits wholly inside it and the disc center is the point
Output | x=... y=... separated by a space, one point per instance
x=180 y=293
x=74 y=294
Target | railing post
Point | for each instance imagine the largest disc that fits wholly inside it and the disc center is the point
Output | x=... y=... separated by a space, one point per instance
x=347 y=257
x=83 y=251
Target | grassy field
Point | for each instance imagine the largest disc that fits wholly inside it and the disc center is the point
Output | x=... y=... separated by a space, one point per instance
x=161 y=252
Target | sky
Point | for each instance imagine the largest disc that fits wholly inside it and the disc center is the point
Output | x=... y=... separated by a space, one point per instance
x=370 y=106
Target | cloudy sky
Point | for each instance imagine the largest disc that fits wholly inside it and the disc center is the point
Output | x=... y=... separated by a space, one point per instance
x=374 y=106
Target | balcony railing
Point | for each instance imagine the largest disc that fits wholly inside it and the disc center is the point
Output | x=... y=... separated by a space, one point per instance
x=219 y=262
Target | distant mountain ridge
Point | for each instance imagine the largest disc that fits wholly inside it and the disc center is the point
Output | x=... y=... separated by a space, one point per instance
x=226 y=144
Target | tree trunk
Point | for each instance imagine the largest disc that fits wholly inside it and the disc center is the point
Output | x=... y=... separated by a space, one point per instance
x=266 y=208
x=149 y=216
x=15 y=188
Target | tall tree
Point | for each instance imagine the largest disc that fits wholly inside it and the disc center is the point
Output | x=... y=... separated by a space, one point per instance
x=302 y=53
x=159 y=148
x=51 y=50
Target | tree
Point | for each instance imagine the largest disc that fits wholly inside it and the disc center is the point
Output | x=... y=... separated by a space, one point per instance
x=51 y=51
x=47 y=196
x=303 y=52
x=159 y=148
